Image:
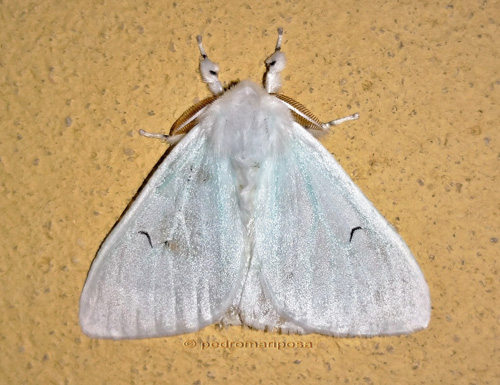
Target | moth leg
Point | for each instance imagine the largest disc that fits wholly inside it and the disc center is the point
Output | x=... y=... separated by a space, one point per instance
x=209 y=71
x=170 y=139
x=308 y=120
x=338 y=121
x=153 y=135
x=275 y=64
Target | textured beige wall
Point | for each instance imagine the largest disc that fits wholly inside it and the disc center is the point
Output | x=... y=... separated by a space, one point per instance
x=425 y=78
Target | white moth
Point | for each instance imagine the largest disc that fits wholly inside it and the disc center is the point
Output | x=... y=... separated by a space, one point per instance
x=249 y=220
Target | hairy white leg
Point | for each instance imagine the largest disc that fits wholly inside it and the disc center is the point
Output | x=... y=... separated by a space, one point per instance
x=209 y=71
x=275 y=64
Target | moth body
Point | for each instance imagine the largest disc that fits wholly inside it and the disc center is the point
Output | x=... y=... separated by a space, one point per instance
x=249 y=220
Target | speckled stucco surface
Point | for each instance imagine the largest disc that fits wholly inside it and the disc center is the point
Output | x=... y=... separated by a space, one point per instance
x=80 y=78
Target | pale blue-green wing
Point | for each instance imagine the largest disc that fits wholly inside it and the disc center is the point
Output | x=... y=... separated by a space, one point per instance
x=174 y=262
x=329 y=261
